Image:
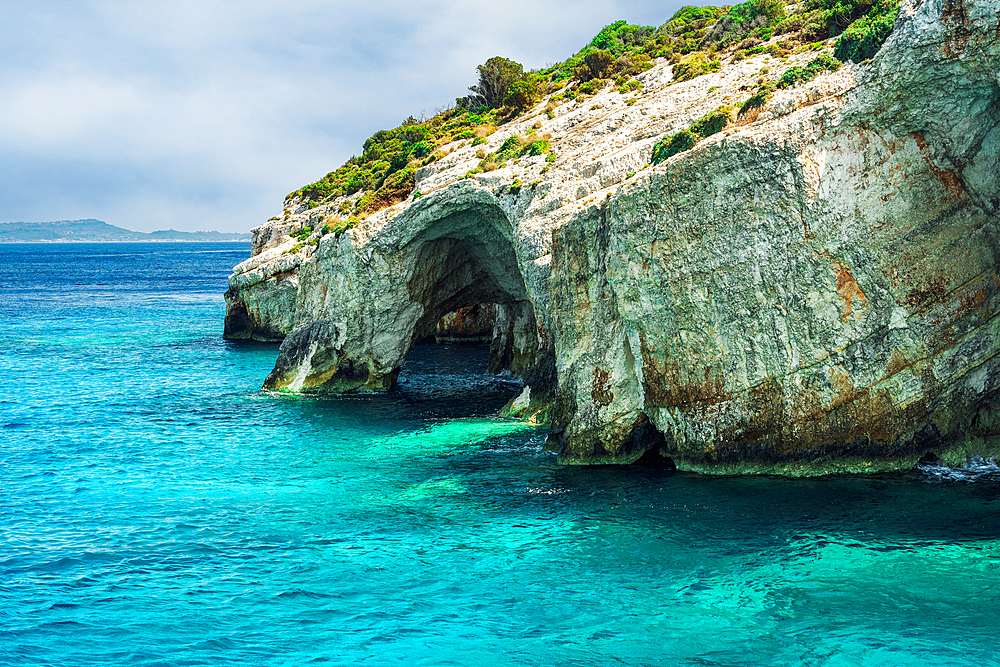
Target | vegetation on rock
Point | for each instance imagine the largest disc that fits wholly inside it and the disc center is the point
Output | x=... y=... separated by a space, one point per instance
x=695 y=39
x=759 y=98
x=669 y=146
x=502 y=83
x=865 y=36
x=795 y=75
x=752 y=19
x=709 y=124
x=694 y=65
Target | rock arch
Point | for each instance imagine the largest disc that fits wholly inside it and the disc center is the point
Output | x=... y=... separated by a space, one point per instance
x=386 y=292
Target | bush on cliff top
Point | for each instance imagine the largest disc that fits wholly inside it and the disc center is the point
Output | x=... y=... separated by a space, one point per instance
x=755 y=18
x=385 y=169
x=621 y=50
x=502 y=83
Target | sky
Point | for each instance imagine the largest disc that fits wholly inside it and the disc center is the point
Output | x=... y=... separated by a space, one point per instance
x=203 y=115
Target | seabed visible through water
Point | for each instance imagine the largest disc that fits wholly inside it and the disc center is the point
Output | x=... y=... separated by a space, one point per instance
x=157 y=508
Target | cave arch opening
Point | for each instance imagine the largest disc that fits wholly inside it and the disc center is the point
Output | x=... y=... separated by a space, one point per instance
x=465 y=267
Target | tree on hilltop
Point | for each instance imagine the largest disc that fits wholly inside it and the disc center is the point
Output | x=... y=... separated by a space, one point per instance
x=496 y=76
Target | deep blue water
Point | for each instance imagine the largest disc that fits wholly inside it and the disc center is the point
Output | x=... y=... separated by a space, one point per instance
x=156 y=508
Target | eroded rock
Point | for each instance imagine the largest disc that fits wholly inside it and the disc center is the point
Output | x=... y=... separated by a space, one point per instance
x=811 y=291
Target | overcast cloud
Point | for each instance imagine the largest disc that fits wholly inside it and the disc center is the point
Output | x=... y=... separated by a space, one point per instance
x=203 y=115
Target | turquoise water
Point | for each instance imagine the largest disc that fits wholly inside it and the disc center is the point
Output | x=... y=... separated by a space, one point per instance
x=156 y=508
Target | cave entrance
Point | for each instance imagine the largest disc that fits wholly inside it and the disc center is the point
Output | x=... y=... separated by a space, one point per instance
x=467 y=278
x=472 y=325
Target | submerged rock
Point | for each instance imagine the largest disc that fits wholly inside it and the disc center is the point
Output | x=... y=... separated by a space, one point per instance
x=812 y=290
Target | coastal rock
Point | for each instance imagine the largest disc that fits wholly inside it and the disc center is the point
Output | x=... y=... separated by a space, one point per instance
x=813 y=290
x=471 y=324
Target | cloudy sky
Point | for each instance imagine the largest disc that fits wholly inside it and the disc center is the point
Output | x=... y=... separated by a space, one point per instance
x=201 y=115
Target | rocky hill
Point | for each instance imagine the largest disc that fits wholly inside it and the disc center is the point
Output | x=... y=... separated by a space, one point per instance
x=753 y=259
x=97 y=231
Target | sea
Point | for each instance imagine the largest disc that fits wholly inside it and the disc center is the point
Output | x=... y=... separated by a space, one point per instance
x=158 y=508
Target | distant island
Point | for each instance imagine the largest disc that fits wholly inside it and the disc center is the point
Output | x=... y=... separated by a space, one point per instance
x=97 y=231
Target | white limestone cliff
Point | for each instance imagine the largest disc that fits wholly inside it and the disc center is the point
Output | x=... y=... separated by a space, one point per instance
x=814 y=289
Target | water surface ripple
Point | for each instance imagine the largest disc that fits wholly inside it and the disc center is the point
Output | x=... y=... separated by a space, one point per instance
x=158 y=509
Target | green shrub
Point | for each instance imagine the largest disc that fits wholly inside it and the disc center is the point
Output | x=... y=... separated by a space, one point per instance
x=496 y=76
x=755 y=17
x=769 y=49
x=620 y=36
x=621 y=49
x=339 y=226
x=597 y=64
x=422 y=148
x=759 y=98
x=815 y=26
x=796 y=75
x=539 y=147
x=714 y=122
x=672 y=145
x=523 y=94
x=694 y=65
x=551 y=157
x=394 y=189
x=509 y=149
x=479 y=141
x=863 y=38
x=464 y=134
x=630 y=86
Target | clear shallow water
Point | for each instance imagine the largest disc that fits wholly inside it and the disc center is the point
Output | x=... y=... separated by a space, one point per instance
x=157 y=509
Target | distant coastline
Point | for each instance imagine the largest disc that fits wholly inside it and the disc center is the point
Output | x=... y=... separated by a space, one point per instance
x=98 y=231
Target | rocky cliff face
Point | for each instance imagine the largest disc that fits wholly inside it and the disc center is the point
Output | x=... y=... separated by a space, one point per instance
x=814 y=289
x=472 y=324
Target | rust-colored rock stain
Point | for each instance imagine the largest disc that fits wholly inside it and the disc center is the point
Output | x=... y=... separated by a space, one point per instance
x=601 y=391
x=848 y=289
x=949 y=179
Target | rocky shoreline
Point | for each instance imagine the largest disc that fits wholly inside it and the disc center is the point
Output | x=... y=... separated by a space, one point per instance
x=812 y=290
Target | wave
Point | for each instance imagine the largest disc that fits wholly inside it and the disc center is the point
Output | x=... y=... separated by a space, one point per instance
x=976 y=469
